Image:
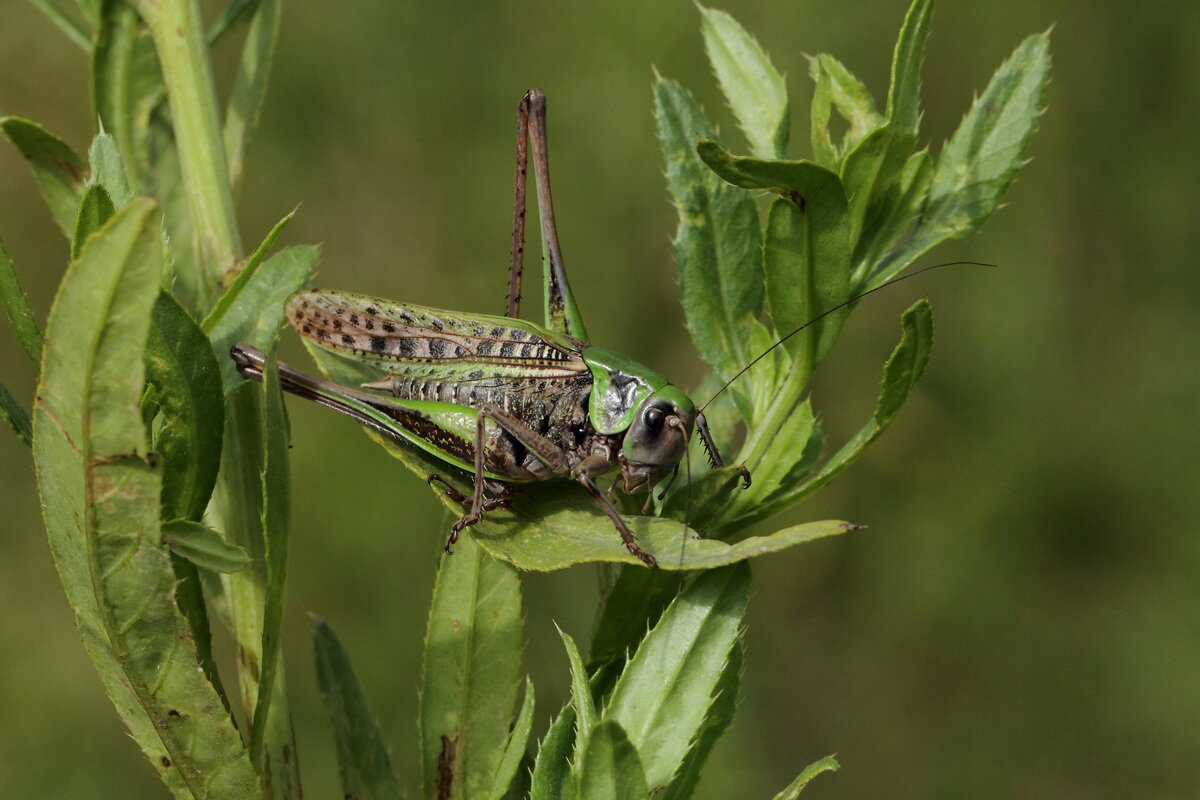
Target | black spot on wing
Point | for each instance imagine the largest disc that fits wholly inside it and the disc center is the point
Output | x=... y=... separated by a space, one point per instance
x=378 y=344
x=437 y=348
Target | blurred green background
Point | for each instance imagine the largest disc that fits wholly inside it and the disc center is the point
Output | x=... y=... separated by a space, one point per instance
x=1022 y=618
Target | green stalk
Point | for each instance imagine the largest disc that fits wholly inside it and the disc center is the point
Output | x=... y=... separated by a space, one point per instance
x=179 y=38
x=178 y=32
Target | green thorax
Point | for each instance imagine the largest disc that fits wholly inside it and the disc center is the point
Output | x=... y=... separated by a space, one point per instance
x=619 y=386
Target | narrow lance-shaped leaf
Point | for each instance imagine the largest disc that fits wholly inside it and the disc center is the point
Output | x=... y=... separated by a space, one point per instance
x=720 y=713
x=514 y=751
x=64 y=22
x=718 y=252
x=552 y=767
x=101 y=501
x=755 y=90
x=827 y=764
x=581 y=697
x=871 y=166
x=633 y=605
x=363 y=760
x=108 y=169
x=250 y=85
x=276 y=516
x=16 y=306
x=256 y=259
x=181 y=366
x=471 y=672
x=838 y=88
x=901 y=372
x=980 y=161
x=609 y=768
x=15 y=415
x=58 y=170
x=95 y=209
x=663 y=695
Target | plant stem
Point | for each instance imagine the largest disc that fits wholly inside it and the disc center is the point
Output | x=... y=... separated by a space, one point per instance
x=179 y=39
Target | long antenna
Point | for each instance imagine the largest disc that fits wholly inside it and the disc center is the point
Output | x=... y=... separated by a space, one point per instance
x=838 y=307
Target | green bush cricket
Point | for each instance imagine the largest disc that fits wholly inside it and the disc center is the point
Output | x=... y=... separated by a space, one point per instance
x=506 y=400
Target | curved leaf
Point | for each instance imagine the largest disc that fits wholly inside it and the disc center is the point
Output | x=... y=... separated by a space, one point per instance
x=16 y=305
x=609 y=768
x=827 y=764
x=100 y=496
x=58 y=170
x=363 y=760
x=203 y=546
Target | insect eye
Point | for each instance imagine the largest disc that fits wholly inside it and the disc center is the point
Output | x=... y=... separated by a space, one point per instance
x=654 y=419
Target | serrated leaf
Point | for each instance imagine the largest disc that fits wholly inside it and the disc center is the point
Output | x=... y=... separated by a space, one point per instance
x=610 y=768
x=980 y=161
x=59 y=172
x=827 y=764
x=893 y=214
x=181 y=366
x=203 y=546
x=231 y=294
x=581 y=697
x=250 y=85
x=720 y=713
x=514 y=751
x=95 y=209
x=718 y=253
x=552 y=767
x=363 y=760
x=100 y=497
x=16 y=416
x=256 y=313
x=276 y=517
x=904 y=92
x=16 y=306
x=901 y=372
x=663 y=695
x=755 y=90
x=470 y=674
x=108 y=170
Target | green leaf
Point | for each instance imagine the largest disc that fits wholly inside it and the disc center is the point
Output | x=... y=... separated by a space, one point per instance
x=250 y=85
x=901 y=372
x=635 y=602
x=552 y=767
x=581 y=697
x=755 y=90
x=837 y=87
x=203 y=546
x=95 y=209
x=58 y=170
x=610 y=768
x=15 y=415
x=563 y=528
x=181 y=366
x=363 y=760
x=230 y=295
x=100 y=496
x=127 y=86
x=64 y=22
x=807 y=245
x=979 y=162
x=904 y=93
x=108 y=169
x=471 y=673
x=711 y=495
x=827 y=764
x=662 y=697
x=256 y=313
x=718 y=250
x=276 y=517
x=787 y=458
x=16 y=306
x=235 y=12
x=720 y=713
x=514 y=751
x=893 y=215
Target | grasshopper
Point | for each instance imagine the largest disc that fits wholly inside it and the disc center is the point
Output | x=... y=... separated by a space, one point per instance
x=507 y=400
